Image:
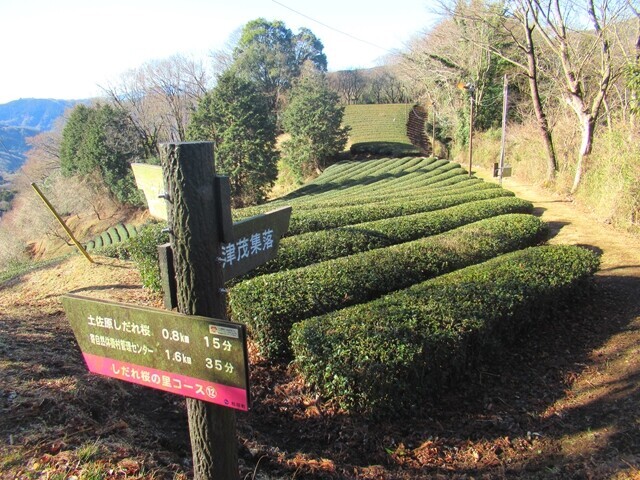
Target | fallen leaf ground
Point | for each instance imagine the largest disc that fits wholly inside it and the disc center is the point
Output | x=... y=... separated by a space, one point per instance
x=563 y=402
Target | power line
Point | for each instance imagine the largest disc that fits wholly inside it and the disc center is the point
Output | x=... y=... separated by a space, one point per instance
x=332 y=28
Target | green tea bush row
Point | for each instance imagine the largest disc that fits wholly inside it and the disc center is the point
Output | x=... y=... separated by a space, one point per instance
x=405 y=193
x=314 y=220
x=112 y=236
x=414 y=181
x=368 y=168
x=270 y=304
x=426 y=178
x=388 y=178
x=365 y=171
x=383 y=148
x=371 y=180
x=335 y=191
x=314 y=247
x=390 y=353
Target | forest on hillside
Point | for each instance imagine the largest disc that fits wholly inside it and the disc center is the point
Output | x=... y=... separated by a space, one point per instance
x=572 y=69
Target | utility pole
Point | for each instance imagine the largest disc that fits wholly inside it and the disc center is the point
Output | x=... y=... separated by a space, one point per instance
x=433 y=130
x=505 y=108
x=471 y=89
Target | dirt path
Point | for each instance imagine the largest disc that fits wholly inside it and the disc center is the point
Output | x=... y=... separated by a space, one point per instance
x=602 y=404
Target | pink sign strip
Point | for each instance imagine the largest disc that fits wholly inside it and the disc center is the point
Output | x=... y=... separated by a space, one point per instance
x=224 y=395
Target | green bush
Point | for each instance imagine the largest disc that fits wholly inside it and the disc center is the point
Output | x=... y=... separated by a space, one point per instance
x=106 y=239
x=314 y=247
x=389 y=353
x=387 y=174
x=131 y=230
x=379 y=122
x=314 y=220
x=144 y=252
x=270 y=304
x=110 y=239
x=426 y=177
x=384 y=195
x=115 y=235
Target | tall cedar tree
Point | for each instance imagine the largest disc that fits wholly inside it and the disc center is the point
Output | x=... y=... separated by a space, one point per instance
x=313 y=118
x=100 y=140
x=237 y=117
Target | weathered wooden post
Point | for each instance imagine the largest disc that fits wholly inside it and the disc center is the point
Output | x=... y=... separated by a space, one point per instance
x=193 y=219
x=196 y=353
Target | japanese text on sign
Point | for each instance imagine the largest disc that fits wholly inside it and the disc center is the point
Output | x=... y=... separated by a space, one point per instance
x=193 y=356
x=246 y=247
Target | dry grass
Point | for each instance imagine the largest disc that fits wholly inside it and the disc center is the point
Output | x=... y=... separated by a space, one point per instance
x=611 y=185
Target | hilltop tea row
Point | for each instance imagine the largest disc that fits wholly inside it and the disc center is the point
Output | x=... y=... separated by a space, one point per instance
x=396 y=275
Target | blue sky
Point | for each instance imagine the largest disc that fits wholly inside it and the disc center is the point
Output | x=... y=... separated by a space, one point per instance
x=66 y=48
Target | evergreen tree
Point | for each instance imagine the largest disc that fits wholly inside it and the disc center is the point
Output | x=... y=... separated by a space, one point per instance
x=100 y=140
x=313 y=118
x=236 y=116
x=271 y=56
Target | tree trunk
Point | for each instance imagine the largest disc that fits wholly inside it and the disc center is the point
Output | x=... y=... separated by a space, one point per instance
x=587 y=124
x=543 y=123
x=188 y=171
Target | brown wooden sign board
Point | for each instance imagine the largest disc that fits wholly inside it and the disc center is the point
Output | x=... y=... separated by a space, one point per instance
x=189 y=355
x=255 y=241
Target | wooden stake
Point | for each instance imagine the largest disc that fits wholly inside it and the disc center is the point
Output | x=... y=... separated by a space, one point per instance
x=61 y=222
x=189 y=178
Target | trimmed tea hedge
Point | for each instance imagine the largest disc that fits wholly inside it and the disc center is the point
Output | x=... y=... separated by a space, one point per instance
x=112 y=236
x=314 y=220
x=270 y=304
x=383 y=196
x=315 y=247
x=334 y=178
x=371 y=178
x=428 y=174
x=389 y=353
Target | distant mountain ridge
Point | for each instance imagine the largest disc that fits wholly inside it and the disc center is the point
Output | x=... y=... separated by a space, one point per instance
x=25 y=118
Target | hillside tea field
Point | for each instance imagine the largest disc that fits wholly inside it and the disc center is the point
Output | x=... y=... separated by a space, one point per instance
x=368 y=234
x=417 y=323
x=380 y=129
x=348 y=298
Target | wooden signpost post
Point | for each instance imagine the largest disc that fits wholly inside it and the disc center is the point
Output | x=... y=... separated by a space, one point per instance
x=197 y=352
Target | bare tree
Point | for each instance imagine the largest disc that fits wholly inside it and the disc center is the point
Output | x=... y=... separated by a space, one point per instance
x=453 y=53
x=222 y=59
x=632 y=55
x=349 y=84
x=584 y=54
x=159 y=97
x=514 y=26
